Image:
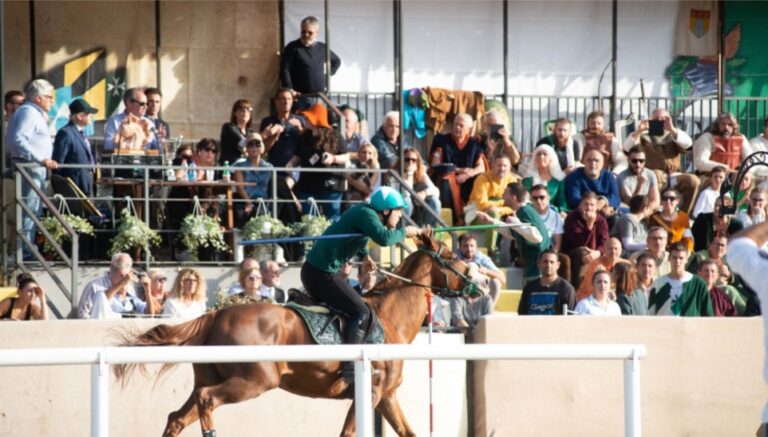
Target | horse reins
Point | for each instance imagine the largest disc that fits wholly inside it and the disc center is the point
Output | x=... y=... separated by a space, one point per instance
x=470 y=287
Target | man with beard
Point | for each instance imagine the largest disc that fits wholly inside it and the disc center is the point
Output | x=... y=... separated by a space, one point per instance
x=663 y=153
x=595 y=137
x=567 y=148
x=723 y=145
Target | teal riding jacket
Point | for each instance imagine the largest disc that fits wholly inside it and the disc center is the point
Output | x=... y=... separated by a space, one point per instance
x=330 y=255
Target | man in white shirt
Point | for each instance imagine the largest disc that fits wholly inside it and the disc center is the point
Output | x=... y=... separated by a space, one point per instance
x=748 y=258
x=96 y=300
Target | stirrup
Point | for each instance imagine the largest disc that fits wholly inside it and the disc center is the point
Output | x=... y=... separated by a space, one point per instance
x=209 y=433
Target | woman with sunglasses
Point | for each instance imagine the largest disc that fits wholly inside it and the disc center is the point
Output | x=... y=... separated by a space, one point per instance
x=545 y=170
x=675 y=222
x=187 y=297
x=415 y=176
x=233 y=133
x=155 y=293
x=24 y=307
x=253 y=289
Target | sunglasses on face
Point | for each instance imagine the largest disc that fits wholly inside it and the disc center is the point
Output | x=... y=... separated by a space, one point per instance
x=187 y=157
x=254 y=144
x=410 y=159
x=538 y=197
x=669 y=198
x=638 y=161
x=140 y=103
x=253 y=278
x=161 y=279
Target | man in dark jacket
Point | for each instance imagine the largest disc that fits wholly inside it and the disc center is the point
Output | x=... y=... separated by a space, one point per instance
x=71 y=146
x=303 y=61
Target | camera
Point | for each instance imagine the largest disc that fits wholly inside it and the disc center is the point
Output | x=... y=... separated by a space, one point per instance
x=495 y=128
x=656 y=128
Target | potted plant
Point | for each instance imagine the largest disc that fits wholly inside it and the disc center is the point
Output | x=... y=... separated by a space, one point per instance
x=133 y=233
x=264 y=226
x=198 y=230
x=312 y=224
x=59 y=234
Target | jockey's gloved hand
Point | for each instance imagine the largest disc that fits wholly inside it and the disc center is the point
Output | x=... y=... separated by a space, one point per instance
x=369 y=265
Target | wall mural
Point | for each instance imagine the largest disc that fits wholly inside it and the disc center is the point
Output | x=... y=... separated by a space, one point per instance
x=86 y=77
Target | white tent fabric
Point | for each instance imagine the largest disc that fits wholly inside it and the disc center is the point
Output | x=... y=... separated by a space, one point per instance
x=555 y=47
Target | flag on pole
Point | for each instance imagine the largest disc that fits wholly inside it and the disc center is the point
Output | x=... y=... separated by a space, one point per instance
x=696 y=28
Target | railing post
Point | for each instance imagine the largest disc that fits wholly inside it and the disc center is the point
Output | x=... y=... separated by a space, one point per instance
x=100 y=397
x=363 y=395
x=632 y=415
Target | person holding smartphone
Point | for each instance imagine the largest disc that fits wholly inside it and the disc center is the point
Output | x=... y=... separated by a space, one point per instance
x=663 y=144
x=24 y=307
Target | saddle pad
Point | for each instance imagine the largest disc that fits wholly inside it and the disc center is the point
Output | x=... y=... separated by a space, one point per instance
x=324 y=326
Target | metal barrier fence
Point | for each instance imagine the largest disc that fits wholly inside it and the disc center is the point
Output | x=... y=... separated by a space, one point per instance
x=101 y=358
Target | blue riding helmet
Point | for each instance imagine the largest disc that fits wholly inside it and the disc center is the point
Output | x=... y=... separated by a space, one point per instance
x=385 y=198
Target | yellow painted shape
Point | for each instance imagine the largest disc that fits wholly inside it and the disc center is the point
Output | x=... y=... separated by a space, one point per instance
x=97 y=97
x=76 y=67
x=6 y=292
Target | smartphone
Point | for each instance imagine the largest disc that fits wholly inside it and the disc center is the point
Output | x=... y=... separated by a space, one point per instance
x=656 y=128
x=495 y=128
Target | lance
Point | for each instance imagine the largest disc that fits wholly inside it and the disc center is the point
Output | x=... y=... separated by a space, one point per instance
x=357 y=235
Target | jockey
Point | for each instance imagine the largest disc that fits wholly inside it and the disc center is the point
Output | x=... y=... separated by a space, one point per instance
x=376 y=220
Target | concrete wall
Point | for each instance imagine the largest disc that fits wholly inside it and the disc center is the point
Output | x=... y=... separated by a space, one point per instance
x=55 y=401
x=211 y=53
x=702 y=377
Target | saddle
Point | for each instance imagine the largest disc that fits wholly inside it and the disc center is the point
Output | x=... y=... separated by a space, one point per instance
x=325 y=324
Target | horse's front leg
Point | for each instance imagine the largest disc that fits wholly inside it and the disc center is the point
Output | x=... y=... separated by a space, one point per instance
x=377 y=381
x=390 y=409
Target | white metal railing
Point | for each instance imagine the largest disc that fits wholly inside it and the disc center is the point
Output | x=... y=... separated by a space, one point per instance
x=101 y=357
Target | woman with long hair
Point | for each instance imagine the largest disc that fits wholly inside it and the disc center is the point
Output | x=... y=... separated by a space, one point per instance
x=187 y=297
x=415 y=176
x=545 y=170
x=674 y=221
x=319 y=148
x=24 y=307
x=234 y=132
x=631 y=298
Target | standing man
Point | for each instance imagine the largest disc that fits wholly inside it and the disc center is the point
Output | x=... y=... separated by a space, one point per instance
x=131 y=129
x=71 y=146
x=302 y=66
x=638 y=180
x=154 y=105
x=547 y=295
x=385 y=140
x=663 y=153
x=679 y=293
x=531 y=240
x=29 y=141
x=749 y=259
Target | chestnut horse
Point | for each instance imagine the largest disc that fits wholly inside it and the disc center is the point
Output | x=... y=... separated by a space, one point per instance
x=399 y=304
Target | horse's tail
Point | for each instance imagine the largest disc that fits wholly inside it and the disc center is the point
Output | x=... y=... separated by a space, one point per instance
x=191 y=333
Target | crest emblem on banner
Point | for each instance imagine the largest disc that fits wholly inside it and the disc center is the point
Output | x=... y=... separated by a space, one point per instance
x=699 y=22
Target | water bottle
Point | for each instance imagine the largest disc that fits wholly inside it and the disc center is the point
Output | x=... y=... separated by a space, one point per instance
x=191 y=173
x=170 y=174
x=226 y=175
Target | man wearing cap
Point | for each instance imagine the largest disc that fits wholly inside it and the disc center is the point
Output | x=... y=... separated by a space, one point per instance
x=71 y=146
x=377 y=221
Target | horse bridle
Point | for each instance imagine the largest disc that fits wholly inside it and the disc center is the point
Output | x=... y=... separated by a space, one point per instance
x=470 y=288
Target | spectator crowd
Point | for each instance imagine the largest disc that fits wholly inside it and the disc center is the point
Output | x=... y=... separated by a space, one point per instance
x=599 y=224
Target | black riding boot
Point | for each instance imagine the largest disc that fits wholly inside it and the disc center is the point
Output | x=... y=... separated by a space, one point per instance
x=354 y=333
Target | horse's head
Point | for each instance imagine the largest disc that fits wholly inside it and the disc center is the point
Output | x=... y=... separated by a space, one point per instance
x=448 y=275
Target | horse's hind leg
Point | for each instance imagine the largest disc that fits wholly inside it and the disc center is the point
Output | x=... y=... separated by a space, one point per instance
x=181 y=418
x=234 y=389
x=390 y=409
